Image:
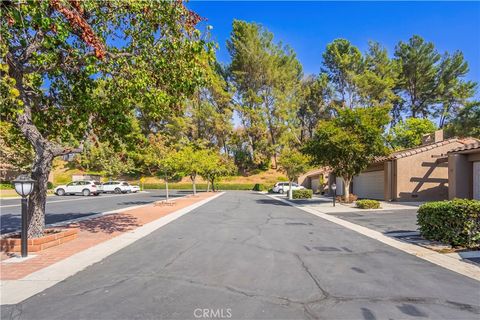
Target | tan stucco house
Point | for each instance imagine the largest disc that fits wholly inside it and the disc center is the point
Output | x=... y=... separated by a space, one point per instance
x=416 y=174
x=318 y=180
x=464 y=171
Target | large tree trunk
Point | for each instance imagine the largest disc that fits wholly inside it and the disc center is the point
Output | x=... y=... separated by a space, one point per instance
x=290 y=193
x=42 y=165
x=45 y=152
x=346 y=188
x=193 y=177
x=36 y=203
x=166 y=189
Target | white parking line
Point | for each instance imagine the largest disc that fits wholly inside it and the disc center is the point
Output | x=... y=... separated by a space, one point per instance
x=77 y=199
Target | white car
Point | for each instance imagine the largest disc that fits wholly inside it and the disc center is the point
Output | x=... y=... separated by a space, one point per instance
x=134 y=188
x=282 y=187
x=85 y=188
x=116 y=187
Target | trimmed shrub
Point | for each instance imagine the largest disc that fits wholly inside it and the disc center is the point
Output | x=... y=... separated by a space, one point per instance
x=5 y=185
x=456 y=222
x=49 y=185
x=302 y=194
x=367 y=204
x=258 y=187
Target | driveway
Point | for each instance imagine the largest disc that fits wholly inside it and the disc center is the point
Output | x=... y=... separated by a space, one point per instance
x=249 y=256
x=70 y=207
x=394 y=217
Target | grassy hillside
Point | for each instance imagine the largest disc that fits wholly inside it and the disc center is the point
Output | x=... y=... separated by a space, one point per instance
x=61 y=174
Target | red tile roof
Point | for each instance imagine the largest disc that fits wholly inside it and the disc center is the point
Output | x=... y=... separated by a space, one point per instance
x=466 y=147
x=409 y=152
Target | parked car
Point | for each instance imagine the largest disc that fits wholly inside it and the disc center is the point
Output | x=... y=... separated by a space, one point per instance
x=134 y=188
x=282 y=187
x=116 y=187
x=85 y=188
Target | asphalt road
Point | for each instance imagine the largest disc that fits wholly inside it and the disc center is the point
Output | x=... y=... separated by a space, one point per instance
x=70 y=207
x=386 y=221
x=245 y=255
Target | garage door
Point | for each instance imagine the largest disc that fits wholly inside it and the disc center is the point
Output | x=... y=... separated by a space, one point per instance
x=315 y=183
x=369 y=185
x=476 y=180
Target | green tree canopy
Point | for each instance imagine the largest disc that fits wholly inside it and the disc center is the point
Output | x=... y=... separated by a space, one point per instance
x=467 y=121
x=349 y=142
x=215 y=166
x=75 y=69
x=266 y=77
x=293 y=163
x=430 y=84
x=409 y=133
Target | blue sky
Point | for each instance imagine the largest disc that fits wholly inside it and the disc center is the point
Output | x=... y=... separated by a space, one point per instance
x=309 y=26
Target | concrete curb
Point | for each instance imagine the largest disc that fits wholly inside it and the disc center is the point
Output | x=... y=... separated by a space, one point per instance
x=15 y=291
x=442 y=260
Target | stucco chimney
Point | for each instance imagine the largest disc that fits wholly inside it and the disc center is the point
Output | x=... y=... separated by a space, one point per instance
x=437 y=136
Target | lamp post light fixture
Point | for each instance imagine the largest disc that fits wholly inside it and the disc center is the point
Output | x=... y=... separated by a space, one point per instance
x=24 y=186
x=334 y=188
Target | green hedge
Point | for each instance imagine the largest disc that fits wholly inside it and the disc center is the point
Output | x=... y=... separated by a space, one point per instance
x=8 y=185
x=259 y=187
x=367 y=204
x=302 y=194
x=456 y=222
x=5 y=185
x=200 y=186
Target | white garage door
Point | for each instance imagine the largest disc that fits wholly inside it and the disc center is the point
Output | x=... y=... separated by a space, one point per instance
x=369 y=185
x=476 y=180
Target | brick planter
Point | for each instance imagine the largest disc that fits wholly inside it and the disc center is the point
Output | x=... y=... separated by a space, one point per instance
x=52 y=238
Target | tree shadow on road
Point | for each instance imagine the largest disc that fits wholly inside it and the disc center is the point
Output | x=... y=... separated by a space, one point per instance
x=271 y=201
x=109 y=224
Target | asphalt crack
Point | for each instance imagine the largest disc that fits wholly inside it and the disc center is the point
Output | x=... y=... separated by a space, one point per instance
x=179 y=254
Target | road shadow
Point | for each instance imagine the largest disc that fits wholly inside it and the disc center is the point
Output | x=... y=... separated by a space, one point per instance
x=188 y=191
x=135 y=202
x=170 y=196
x=12 y=223
x=272 y=201
x=310 y=201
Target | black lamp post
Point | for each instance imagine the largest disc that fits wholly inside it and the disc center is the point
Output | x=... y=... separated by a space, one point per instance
x=334 y=188
x=24 y=186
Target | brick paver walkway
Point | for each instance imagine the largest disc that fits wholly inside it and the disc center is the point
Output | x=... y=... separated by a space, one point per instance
x=93 y=232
